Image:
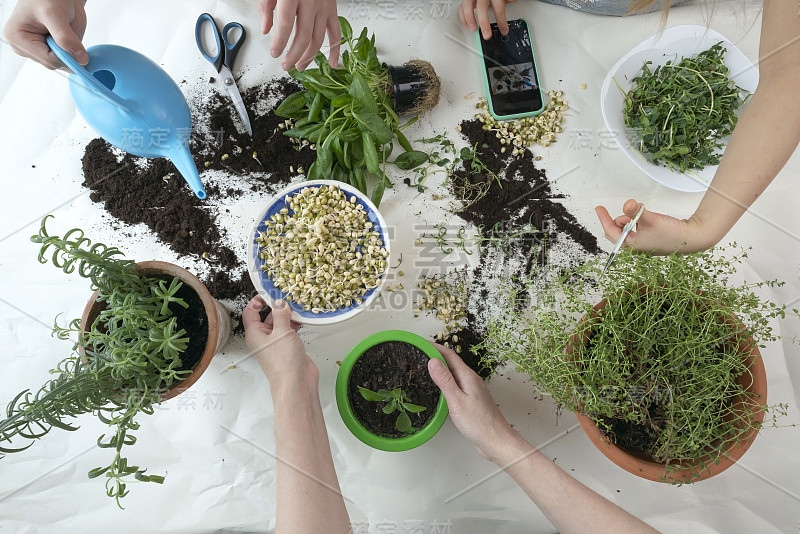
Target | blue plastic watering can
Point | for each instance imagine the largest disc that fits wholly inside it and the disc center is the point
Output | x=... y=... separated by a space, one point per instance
x=134 y=105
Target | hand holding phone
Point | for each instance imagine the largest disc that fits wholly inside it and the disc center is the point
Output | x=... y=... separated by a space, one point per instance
x=509 y=67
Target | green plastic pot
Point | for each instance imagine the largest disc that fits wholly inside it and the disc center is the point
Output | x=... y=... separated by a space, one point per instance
x=346 y=411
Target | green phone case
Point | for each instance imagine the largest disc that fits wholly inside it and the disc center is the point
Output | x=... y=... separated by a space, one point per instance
x=489 y=90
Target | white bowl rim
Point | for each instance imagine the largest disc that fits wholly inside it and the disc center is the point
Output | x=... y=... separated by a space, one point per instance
x=670 y=35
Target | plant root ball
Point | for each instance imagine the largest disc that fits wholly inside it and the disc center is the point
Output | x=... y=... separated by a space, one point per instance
x=430 y=97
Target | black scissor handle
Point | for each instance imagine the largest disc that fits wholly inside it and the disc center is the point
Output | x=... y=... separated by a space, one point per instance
x=232 y=48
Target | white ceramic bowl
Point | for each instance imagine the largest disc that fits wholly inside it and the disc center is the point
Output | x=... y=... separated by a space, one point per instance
x=267 y=289
x=673 y=44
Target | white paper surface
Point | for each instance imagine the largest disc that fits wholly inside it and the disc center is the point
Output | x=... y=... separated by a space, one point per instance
x=215 y=442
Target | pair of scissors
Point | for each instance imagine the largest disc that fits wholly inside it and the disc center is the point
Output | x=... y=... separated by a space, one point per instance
x=625 y=231
x=224 y=58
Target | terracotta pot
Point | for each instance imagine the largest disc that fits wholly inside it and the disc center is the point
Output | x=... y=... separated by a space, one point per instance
x=219 y=321
x=643 y=465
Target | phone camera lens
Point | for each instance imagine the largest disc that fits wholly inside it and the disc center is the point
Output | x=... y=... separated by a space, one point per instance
x=504 y=38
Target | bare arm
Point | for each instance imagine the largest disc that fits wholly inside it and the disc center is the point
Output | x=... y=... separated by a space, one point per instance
x=765 y=137
x=309 y=498
x=568 y=504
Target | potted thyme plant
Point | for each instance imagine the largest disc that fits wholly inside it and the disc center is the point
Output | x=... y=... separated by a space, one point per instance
x=664 y=372
x=349 y=114
x=385 y=394
x=148 y=333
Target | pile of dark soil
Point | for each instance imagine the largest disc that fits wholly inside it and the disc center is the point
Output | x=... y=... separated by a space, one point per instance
x=522 y=195
x=390 y=365
x=151 y=191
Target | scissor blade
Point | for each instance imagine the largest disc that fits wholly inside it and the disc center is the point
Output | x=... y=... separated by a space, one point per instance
x=238 y=103
x=610 y=259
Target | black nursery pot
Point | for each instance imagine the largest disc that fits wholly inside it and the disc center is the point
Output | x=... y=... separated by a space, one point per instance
x=409 y=86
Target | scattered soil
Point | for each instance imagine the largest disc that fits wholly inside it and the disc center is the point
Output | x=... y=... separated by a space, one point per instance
x=468 y=338
x=523 y=194
x=151 y=191
x=388 y=366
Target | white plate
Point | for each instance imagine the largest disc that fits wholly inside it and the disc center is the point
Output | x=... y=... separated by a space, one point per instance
x=673 y=44
x=267 y=289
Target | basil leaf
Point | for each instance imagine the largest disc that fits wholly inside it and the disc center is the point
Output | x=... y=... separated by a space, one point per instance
x=316 y=108
x=372 y=122
x=370 y=154
x=291 y=105
x=347 y=30
x=361 y=92
x=411 y=159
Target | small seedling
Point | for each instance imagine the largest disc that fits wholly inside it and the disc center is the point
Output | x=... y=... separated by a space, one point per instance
x=396 y=400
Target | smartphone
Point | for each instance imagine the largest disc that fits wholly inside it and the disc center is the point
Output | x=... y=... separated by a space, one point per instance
x=509 y=67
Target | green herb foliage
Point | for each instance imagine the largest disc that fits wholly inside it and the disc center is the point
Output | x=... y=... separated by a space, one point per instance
x=347 y=113
x=500 y=236
x=396 y=400
x=443 y=158
x=681 y=111
x=663 y=356
x=131 y=354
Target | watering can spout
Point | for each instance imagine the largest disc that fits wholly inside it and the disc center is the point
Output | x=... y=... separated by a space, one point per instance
x=183 y=161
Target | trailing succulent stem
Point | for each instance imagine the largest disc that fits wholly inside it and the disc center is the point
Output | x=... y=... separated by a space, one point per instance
x=120 y=364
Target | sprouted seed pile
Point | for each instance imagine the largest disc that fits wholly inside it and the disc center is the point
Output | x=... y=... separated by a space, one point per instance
x=322 y=251
x=681 y=111
x=447 y=297
x=516 y=135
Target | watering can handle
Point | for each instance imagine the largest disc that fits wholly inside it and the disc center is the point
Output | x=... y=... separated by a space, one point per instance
x=87 y=77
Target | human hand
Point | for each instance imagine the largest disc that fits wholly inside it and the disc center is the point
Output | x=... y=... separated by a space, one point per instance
x=310 y=19
x=33 y=20
x=472 y=407
x=276 y=345
x=655 y=233
x=466 y=13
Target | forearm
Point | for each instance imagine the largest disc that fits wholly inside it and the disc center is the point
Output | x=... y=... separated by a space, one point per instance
x=309 y=498
x=763 y=140
x=568 y=504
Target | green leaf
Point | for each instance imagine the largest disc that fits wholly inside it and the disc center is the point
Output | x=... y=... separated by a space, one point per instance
x=377 y=193
x=371 y=395
x=403 y=141
x=347 y=30
x=361 y=92
x=415 y=408
x=292 y=106
x=325 y=154
x=341 y=100
x=316 y=108
x=370 y=154
x=390 y=407
x=411 y=159
x=97 y=471
x=357 y=179
x=403 y=423
x=375 y=125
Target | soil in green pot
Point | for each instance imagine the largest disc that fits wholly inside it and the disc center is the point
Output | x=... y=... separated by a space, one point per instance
x=390 y=365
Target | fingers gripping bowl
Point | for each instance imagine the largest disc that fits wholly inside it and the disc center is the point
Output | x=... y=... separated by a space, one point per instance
x=323 y=247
